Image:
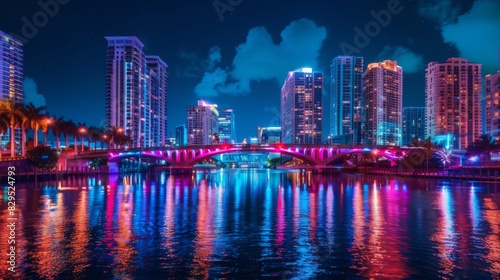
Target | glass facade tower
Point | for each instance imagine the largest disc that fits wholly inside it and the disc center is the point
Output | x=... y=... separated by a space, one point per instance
x=346 y=99
x=301 y=107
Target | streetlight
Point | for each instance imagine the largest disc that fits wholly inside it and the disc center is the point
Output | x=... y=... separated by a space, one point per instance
x=83 y=130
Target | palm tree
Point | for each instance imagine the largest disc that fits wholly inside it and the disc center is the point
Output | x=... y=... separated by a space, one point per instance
x=12 y=119
x=105 y=139
x=46 y=124
x=57 y=129
x=115 y=136
x=25 y=124
x=95 y=135
x=483 y=146
x=37 y=120
x=80 y=129
x=67 y=128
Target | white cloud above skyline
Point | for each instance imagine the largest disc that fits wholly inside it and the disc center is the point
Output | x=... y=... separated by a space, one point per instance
x=31 y=94
x=410 y=61
x=480 y=26
x=259 y=58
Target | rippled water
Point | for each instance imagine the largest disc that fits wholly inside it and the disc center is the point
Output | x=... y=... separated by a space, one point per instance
x=254 y=225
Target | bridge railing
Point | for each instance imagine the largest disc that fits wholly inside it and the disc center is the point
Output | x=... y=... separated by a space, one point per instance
x=12 y=158
x=284 y=145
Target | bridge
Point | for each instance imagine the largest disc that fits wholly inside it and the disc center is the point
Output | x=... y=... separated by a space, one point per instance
x=320 y=155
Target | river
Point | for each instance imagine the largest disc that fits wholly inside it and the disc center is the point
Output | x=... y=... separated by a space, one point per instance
x=253 y=224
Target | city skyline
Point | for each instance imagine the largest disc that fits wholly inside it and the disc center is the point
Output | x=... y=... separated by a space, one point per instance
x=256 y=139
x=65 y=58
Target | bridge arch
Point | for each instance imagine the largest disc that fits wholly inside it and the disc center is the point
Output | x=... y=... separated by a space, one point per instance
x=125 y=155
x=341 y=153
x=211 y=153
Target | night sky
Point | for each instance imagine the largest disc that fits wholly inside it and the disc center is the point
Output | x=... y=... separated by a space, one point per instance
x=239 y=58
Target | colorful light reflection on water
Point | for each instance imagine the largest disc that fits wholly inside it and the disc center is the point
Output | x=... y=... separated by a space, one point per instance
x=255 y=225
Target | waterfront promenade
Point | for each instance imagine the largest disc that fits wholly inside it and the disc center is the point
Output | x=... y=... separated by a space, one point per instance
x=476 y=173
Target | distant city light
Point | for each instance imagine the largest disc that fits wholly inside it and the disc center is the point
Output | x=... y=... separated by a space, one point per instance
x=474 y=159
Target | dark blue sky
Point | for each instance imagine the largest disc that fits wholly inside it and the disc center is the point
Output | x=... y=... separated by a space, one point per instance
x=239 y=58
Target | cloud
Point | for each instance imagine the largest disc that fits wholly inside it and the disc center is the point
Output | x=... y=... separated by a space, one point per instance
x=214 y=57
x=210 y=82
x=194 y=67
x=440 y=11
x=31 y=94
x=410 y=61
x=259 y=58
x=476 y=34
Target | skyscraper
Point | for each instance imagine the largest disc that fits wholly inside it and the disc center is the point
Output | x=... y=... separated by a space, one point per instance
x=202 y=123
x=136 y=92
x=413 y=124
x=383 y=101
x=301 y=107
x=11 y=74
x=493 y=105
x=346 y=99
x=227 y=128
x=157 y=97
x=453 y=102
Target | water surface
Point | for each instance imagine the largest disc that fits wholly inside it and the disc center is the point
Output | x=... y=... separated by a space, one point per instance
x=254 y=225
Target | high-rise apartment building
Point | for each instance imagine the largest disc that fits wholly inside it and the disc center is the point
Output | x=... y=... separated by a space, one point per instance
x=492 y=124
x=383 y=101
x=453 y=102
x=346 y=96
x=157 y=98
x=11 y=74
x=413 y=124
x=227 y=128
x=202 y=123
x=136 y=92
x=301 y=107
